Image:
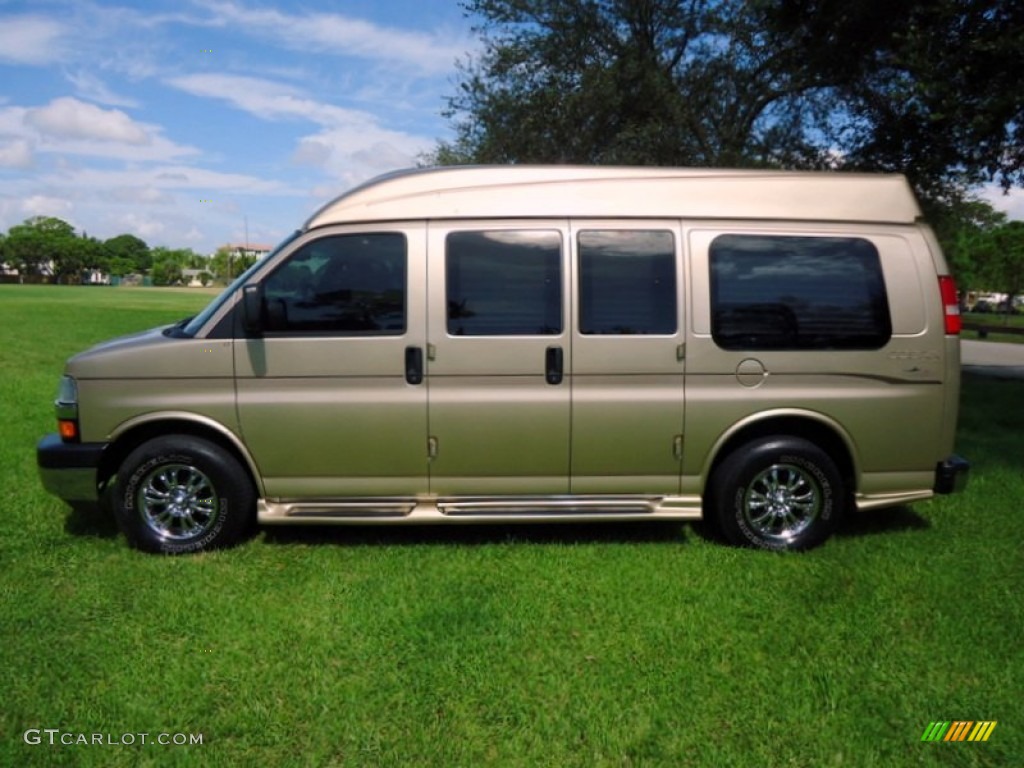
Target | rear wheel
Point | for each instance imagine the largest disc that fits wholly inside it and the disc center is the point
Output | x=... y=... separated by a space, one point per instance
x=179 y=494
x=781 y=493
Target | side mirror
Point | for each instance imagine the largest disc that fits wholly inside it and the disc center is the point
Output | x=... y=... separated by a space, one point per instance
x=252 y=308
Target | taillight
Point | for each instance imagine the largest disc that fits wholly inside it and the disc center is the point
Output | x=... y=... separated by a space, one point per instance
x=950 y=305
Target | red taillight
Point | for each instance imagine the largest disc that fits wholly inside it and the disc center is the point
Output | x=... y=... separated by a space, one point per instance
x=950 y=305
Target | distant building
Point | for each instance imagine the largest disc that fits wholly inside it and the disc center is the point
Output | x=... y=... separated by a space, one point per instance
x=251 y=250
x=192 y=278
x=9 y=273
x=95 y=277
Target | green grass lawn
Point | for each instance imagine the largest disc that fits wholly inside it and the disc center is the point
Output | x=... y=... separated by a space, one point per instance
x=559 y=646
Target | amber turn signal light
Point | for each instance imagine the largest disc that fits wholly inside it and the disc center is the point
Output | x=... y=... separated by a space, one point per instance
x=68 y=429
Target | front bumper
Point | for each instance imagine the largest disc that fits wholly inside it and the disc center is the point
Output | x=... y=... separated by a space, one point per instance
x=68 y=470
x=951 y=474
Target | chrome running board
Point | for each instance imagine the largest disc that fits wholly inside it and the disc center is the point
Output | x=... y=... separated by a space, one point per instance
x=483 y=509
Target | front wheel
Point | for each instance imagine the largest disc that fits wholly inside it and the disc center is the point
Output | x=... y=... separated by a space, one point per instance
x=781 y=493
x=180 y=494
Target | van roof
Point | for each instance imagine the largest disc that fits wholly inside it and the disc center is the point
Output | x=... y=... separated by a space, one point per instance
x=523 y=191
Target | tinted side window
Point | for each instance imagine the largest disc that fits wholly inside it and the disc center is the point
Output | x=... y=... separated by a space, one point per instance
x=343 y=284
x=627 y=282
x=504 y=283
x=797 y=293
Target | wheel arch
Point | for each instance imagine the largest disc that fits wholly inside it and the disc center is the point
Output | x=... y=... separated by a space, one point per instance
x=134 y=432
x=815 y=427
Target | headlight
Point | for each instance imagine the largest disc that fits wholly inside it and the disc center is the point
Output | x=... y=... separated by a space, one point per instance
x=67 y=392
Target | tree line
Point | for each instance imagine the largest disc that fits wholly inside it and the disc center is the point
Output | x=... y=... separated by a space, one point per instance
x=48 y=248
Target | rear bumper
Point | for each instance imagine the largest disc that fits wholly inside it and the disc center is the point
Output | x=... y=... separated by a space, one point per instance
x=951 y=474
x=68 y=470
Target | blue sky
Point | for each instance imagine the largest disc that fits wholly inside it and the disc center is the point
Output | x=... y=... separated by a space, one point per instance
x=180 y=121
x=184 y=121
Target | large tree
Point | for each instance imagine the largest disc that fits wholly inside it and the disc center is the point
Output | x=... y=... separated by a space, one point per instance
x=40 y=245
x=1000 y=255
x=169 y=264
x=930 y=88
x=127 y=254
x=965 y=235
x=628 y=81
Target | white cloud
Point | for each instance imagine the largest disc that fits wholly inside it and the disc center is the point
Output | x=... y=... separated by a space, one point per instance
x=30 y=40
x=193 y=235
x=16 y=154
x=352 y=146
x=88 y=86
x=67 y=126
x=166 y=177
x=141 y=195
x=69 y=118
x=145 y=227
x=158 y=150
x=45 y=205
x=9 y=213
x=310 y=151
x=355 y=156
x=427 y=53
x=268 y=100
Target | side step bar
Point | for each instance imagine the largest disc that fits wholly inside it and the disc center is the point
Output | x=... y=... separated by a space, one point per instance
x=479 y=510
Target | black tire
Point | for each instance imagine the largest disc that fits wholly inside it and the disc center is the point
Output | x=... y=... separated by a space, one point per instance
x=181 y=494
x=779 y=493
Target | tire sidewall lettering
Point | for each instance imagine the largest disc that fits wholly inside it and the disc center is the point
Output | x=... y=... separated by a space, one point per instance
x=224 y=529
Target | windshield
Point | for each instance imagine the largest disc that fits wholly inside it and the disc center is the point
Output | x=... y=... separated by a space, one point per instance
x=192 y=327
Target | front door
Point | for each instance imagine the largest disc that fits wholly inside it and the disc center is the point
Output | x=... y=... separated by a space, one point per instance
x=328 y=398
x=498 y=359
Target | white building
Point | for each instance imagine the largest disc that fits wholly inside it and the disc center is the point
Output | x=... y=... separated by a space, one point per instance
x=250 y=250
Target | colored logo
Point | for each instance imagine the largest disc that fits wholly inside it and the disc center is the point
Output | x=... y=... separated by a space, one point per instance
x=959 y=730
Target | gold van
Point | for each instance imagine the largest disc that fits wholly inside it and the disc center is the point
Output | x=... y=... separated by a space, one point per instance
x=762 y=350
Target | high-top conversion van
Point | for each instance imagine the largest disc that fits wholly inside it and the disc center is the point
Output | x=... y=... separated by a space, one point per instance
x=763 y=350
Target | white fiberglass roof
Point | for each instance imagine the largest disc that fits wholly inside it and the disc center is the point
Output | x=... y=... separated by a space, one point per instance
x=515 y=191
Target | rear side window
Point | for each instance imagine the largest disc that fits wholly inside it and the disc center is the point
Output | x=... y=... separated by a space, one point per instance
x=797 y=293
x=627 y=282
x=504 y=283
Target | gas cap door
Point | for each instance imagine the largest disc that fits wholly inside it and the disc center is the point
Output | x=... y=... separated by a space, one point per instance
x=751 y=372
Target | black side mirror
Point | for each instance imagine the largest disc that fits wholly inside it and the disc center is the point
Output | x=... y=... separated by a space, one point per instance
x=252 y=308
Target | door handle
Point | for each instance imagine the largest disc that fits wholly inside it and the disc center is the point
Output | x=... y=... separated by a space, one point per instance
x=414 y=365
x=553 y=365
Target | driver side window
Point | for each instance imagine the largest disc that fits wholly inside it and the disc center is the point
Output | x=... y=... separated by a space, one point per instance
x=346 y=285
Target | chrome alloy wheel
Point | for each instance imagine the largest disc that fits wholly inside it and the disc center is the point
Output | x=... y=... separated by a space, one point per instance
x=177 y=501
x=781 y=502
